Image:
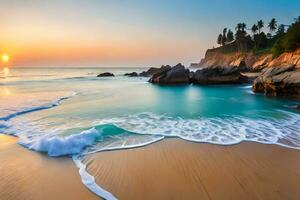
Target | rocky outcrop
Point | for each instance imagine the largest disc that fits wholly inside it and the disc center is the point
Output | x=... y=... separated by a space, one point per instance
x=279 y=81
x=285 y=59
x=106 y=74
x=219 y=75
x=216 y=58
x=261 y=62
x=176 y=75
x=132 y=74
x=255 y=63
x=154 y=70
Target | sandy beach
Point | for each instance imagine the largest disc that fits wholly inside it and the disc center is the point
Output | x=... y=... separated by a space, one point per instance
x=170 y=169
x=177 y=169
x=28 y=175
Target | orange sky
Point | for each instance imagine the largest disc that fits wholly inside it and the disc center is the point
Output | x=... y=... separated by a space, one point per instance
x=121 y=32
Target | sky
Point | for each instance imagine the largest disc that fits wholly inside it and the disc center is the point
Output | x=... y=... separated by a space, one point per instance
x=124 y=33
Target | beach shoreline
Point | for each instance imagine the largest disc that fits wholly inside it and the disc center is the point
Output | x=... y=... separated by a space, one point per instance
x=178 y=169
x=29 y=175
x=168 y=169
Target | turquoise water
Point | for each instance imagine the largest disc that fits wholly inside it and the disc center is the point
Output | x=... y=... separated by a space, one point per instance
x=72 y=112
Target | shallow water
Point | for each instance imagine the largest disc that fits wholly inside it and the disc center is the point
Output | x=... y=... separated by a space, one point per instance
x=72 y=112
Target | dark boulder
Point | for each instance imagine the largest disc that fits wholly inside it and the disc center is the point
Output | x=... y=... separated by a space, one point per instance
x=132 y=74
x=105 y=74
x=154 y=70
x=242 y=67
x=279 y=81
x=176 y=75
x=219 y=75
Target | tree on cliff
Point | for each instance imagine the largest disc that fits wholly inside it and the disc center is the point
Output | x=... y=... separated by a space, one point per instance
x=272 y=25
x=260 y=25
x=240 y=37
x=254 y=29
x=219 y=40
x=224 y=36
x=289 y=41
x=238 y=27
x=229 y=37
x=280 y=30
x=243 y=27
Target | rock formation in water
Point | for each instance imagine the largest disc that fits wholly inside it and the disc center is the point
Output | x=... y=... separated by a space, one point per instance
x=176 y=75
x=154 y=70
x=150 y=72
x=279 y=81
x=106 y=74
x=280 y=76
x=219 y=75
x=132 y=74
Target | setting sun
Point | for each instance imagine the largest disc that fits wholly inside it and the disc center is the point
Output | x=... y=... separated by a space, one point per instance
x=5 y=58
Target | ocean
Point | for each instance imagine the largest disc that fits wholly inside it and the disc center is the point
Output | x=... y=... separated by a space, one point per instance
x=71 y=112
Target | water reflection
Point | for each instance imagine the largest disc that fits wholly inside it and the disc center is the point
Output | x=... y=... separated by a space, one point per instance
x=5 y=92
x=6 y=72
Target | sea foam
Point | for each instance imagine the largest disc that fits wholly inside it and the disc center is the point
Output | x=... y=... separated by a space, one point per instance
x=33 y=108
x=218 y=130
x=89 y=181
x=60 y=146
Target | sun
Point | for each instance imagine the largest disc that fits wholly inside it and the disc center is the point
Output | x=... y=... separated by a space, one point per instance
x=5 y=58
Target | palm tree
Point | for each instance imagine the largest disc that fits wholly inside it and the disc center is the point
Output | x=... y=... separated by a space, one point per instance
x=272 y=25
x=280 y=29
x=260 y=25
x=238 y=27
x=229 y=37
x=224 y=36
x=224 y=31
x=243 y=26
x=219 y=40
x=254 y=29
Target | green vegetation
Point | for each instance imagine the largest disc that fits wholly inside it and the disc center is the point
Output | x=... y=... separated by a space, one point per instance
x=276 y=41
x=288 y=41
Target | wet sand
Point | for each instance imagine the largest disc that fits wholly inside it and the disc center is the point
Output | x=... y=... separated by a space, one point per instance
x=177 y=169
x=170 y=169
x=28 y=175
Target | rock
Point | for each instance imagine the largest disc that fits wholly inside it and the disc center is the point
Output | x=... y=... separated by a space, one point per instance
x=286 y=59
x=176 y=75
x=217 y=57
x=191 y=74
x=242 y=67
x=132 y=74
x=261 y=62
x=219 y=75
x=154 y=70
x=195 y=65
x=279 y=81
x=105 y=74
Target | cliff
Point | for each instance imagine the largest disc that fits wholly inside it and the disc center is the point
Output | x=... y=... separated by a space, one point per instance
x=279 y=76
x=216 y=57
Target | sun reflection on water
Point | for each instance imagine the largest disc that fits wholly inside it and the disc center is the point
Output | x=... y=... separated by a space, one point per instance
x=5 y=91
x=6 y=72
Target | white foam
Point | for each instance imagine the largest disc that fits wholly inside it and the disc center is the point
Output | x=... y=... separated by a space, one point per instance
x=60 y=146
x=89 y=181
x=25 y=109
x=222 y=131
x=120 y=143
x=247 y=87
